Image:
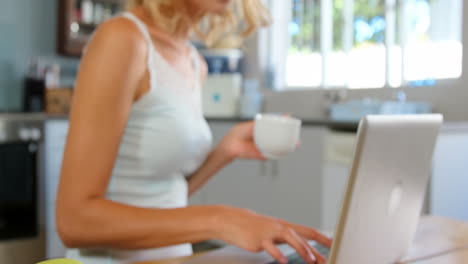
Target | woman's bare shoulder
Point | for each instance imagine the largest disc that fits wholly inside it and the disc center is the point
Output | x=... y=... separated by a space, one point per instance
x=114 y=60
x=120 y=31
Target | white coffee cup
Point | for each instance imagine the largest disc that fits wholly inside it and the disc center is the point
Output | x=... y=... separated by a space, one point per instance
x=276 y=135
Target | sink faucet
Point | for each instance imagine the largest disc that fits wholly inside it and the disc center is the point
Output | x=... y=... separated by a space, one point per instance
x=334 y=96
x=401 y=96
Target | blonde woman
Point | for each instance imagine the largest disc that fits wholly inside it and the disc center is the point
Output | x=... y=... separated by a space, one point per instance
x=138 y=144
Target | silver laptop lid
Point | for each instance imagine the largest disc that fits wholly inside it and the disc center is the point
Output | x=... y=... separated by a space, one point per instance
x=386 y=188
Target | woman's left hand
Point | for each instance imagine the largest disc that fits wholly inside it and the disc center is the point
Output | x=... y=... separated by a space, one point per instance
x=239 y=143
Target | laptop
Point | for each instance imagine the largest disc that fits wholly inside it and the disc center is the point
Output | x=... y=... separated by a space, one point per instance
x=384 y=195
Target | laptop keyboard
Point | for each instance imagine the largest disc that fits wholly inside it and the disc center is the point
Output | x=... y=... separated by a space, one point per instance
x=295 y=258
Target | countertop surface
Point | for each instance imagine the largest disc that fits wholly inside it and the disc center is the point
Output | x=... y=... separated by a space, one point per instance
x=348 y=126
x=331 y=124
x=335 y=125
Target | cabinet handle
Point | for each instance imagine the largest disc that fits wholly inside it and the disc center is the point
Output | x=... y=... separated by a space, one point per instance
x=263 y=168
x=275 y=170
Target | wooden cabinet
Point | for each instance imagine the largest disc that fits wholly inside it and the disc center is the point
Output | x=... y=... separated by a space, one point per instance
x=77 y=20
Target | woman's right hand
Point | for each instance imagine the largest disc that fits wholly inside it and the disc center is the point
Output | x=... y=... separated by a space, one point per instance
x=255 y=233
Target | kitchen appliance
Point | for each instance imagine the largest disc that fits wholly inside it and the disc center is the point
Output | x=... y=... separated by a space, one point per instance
x=223 y=87
x=221 y=95
x=33 y=94
x=34 y=85
x=223 y=60
x=21 y=214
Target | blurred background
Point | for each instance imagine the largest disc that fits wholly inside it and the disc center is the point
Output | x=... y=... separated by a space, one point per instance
x=328 y=62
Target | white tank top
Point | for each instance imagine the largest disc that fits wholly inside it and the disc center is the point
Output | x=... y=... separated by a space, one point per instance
x=166 y=139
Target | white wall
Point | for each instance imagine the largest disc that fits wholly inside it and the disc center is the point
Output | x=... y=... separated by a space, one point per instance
x=447 y=97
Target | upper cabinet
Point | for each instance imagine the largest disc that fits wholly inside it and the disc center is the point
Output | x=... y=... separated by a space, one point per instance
x=77 y=20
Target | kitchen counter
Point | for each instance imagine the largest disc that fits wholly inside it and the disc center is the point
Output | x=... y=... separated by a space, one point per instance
x=22 y=116
x=334 y=125
x=331 y=124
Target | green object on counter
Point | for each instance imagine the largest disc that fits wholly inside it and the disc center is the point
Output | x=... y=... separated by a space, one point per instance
x=60 y=261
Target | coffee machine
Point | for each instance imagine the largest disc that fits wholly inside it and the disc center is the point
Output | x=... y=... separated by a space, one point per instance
x=223 y=87
x=34 y=87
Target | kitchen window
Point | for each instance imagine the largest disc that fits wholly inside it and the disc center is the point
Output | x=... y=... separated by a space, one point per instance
x=366 y=43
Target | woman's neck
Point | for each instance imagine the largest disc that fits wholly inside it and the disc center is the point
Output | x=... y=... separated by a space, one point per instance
x=185 y=27
x=182 y=32
x=176 y=41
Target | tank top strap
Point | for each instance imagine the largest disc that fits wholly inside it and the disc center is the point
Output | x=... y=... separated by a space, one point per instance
x=141 y=26
x=196 y=61
x=152 y=53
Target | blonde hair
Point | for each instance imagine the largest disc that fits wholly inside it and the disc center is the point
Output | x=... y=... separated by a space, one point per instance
x=227 y=30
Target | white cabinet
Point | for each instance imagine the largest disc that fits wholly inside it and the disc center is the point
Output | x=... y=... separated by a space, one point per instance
x=298 y=180
x=55 y=137
x=449 y=195
x=338 y=158
x=240 y=183
x=289 y=188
